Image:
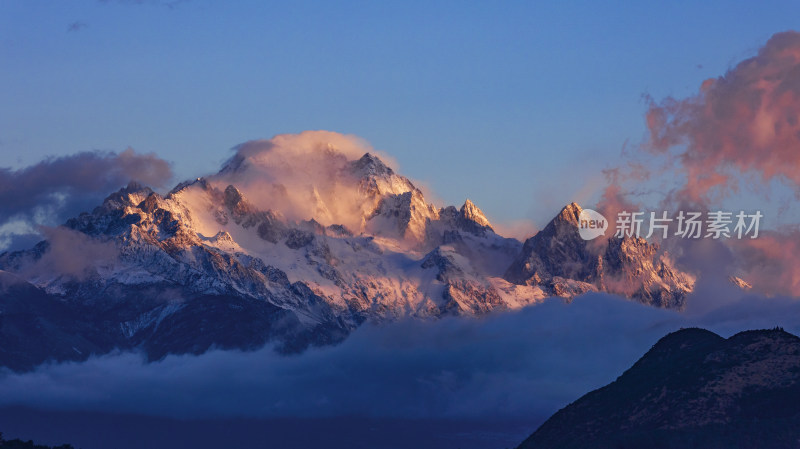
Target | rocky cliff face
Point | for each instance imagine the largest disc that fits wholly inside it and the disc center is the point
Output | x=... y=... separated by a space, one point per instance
x=692 y=389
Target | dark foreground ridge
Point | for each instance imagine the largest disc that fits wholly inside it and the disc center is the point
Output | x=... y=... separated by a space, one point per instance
x=693 y=389
x=20 y=444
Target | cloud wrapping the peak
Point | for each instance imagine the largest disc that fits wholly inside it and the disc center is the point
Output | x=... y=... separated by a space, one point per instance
x=266 y=153
x=303 y=176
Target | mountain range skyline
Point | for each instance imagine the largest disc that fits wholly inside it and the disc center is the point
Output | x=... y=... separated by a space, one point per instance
x=153 y=267
x=392 y=225
x=549 y=116
x=694 y=158
x=149 y=283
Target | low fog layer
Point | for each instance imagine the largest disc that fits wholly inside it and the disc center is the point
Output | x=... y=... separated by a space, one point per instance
x=527 y=363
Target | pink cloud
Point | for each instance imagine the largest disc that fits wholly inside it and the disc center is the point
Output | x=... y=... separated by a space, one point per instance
x=744 y=122
x=771 y=262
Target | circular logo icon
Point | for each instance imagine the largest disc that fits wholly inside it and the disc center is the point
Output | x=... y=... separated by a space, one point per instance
x=591 y=224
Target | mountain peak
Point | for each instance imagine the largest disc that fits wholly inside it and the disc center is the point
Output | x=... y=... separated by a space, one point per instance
x=565 y=224
x=232 y=196
x=570 y=213
x=370 y=164
x=202 y=182
x=236 y=202
x=130 y=195
x=471 y=212
x=739 y=282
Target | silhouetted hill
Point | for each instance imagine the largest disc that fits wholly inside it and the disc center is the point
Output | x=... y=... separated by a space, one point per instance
x=19 y=444
x=693 y=389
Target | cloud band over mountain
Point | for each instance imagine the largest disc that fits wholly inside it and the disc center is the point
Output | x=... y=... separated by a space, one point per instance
x=523 y=364
x=54 y=189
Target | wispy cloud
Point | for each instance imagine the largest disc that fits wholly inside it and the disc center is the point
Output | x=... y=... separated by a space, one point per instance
x=70 y=253
x=76 y=26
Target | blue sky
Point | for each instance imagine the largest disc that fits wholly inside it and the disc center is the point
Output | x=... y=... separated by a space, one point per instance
x=516 y=105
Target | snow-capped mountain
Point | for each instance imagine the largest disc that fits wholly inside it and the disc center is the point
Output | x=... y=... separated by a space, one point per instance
x=563 y=264
x=348 y=240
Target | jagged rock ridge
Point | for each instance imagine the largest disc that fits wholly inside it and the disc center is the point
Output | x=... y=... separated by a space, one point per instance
x=204 y=267
x=562 y=263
